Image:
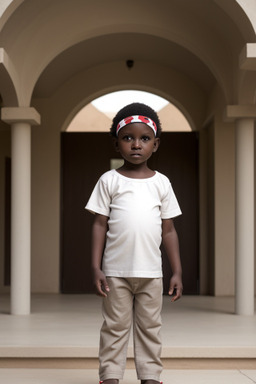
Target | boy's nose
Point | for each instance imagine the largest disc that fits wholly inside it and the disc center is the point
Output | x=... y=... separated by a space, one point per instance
x=136 y=143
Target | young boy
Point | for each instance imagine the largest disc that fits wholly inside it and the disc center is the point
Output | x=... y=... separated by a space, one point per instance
x=133 y=208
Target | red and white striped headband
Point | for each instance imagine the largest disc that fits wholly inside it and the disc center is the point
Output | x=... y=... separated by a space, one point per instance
x=136 y=119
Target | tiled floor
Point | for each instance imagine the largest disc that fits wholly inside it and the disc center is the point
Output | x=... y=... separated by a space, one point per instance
x=68 y=326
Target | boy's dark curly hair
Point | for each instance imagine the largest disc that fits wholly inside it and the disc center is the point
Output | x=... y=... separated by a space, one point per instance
x=135 y=109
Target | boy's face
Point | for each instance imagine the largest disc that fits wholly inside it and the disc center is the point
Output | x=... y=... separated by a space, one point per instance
x=136 y=142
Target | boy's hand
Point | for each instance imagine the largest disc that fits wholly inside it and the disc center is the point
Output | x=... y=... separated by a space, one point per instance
x=100 y=283
x=176 y=287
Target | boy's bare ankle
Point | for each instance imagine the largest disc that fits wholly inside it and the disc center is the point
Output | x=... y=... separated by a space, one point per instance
x=110 y=381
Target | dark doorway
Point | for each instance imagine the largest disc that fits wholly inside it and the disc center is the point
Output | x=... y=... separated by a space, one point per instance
x=85 y=156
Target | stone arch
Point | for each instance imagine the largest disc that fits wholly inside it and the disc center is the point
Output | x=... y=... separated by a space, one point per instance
x=8 y=8
x=83 y=90
x=7 y=73
x=202 y=37
x=243 y=15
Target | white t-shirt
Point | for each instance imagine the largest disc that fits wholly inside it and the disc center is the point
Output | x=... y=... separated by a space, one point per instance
x=135 y=208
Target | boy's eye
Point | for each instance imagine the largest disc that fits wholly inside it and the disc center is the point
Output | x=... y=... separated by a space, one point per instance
x=145 y=138
x=127 y=138
x=130 y=138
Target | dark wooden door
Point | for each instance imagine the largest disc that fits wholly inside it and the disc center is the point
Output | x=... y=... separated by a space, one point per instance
x=85 y=156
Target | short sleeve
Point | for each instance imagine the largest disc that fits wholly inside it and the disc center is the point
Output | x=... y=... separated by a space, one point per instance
x=99 y=200
x=170 y=207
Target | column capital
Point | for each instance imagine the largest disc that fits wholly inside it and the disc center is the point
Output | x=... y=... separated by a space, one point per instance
x=247 y=58
x=28 y=115
x=233 y=112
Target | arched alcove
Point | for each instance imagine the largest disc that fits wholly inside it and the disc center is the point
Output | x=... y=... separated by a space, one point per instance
x=87 y=152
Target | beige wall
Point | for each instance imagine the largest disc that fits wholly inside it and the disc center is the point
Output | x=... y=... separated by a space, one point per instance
x=206 y=208
x=45 y=220
x=224 y=196
x=218 y=183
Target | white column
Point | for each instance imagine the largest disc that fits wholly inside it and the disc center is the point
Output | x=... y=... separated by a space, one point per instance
x=21 y=120
x=20 y=218
x=244 y=280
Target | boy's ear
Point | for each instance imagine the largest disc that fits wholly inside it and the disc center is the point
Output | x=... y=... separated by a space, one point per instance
x=156 y=144
x=115 y=143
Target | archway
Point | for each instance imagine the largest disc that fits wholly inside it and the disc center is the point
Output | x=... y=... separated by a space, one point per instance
x=97 y=115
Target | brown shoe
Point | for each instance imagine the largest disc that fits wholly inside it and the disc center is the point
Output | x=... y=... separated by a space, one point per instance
x=149 y=381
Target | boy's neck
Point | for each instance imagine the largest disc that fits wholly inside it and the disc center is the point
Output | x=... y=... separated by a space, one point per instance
x=136 y=172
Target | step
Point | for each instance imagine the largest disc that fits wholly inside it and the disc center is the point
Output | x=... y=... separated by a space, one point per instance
x=87 y=358
x=90 y=376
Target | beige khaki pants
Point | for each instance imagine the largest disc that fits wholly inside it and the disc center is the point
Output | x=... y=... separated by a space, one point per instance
x=137 y=302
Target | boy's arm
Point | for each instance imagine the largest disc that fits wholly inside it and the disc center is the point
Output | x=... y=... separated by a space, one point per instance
x=99 y=230
x=171 y=245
